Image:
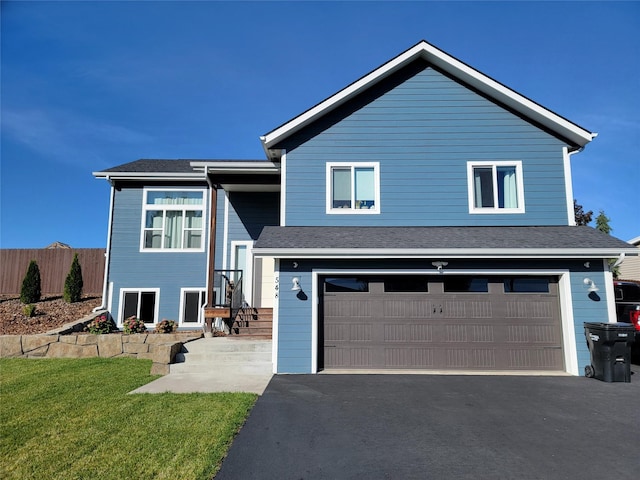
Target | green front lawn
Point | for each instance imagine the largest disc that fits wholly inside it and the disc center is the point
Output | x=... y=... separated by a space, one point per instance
x=72 y=419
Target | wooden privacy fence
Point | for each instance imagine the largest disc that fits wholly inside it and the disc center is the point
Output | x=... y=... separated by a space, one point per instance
x=54 y=265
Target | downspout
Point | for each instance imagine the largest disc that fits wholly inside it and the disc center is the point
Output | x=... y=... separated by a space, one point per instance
x=566 y=154
x=107 y=255
x=618 y=261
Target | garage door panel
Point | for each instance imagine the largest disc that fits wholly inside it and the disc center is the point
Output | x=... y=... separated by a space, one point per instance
x=347 y=306
x=492 y=330
x=408 y=333
x=353 y=332
x=407 y=308
x=480 y=358
x=467 y=308
x=539 y=359
x=409 y=357
x=531 y=309
x=348 y=357
x=532 y=334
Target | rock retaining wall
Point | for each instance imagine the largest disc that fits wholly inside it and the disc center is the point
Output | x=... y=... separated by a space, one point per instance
x=159 y=347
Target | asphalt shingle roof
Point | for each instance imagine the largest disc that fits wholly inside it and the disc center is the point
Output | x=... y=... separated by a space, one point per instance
x=552 y=237
x=150 y=165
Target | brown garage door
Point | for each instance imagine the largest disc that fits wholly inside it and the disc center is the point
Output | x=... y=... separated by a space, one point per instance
x=441 y=322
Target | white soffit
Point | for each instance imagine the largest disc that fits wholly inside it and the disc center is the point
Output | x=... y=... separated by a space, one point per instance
x=452 y=66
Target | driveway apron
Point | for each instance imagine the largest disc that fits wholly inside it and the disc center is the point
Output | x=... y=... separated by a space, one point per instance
x=439 y=427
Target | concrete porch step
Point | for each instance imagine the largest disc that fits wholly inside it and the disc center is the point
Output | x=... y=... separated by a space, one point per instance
x=224 y=355
x=262 y=368
x=226 y=344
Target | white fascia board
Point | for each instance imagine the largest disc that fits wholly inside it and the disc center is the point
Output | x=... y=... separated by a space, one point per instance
x=440 y=252
x=454 y=67
x=634 y=241
x=148 y=176
x=237 y=167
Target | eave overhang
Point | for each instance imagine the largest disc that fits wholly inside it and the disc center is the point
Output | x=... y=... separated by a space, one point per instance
x=572 y=132
x=461 y=253
x=142 y=176
x=237 y=168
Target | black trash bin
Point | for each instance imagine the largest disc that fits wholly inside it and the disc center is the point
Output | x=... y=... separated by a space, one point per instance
x=610 y=347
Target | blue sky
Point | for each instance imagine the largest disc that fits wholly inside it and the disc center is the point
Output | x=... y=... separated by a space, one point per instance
x=91 y=85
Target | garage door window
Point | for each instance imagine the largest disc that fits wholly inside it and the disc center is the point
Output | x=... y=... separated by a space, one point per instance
x=466 y=284
x=346 y=284
x=526 y=285
x=406 y=284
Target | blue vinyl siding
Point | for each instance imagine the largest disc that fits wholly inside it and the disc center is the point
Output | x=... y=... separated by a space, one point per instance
x=295 y=314
x=130 y=268
x=249 y=213
x=423 y=128
x=294 y=320
x=219 y=229
x=587 y=309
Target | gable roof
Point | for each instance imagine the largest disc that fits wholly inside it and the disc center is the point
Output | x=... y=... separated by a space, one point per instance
x=454 y=67
x=447 y=242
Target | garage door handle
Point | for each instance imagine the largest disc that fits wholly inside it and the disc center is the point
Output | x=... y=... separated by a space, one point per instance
x=329 y=346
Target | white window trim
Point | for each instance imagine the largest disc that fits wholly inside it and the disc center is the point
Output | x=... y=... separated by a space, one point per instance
x=183 y=291
x=156 y=309
x=353 y=211
x=495 y=210
x=146 y=207
x=247 y=275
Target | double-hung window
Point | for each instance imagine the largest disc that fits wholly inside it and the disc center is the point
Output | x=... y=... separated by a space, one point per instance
x=353 y=188
x=495 y=187
x=172 y=220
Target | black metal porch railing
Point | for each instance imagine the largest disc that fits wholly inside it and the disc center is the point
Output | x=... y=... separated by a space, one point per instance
x=227 y=294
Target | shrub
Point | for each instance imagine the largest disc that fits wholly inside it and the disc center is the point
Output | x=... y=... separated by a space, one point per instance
x=133 y=325
x=100 y=325
x=30 y=292
x=73 y=282
x=29 y=310
x=166 y=326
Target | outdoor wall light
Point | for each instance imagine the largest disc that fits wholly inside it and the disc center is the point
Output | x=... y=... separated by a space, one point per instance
x=592 y=285
x=439 y=265
x=296 y=284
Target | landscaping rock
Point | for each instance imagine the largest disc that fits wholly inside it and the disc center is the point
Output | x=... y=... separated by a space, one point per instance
x=165 y=353
x=72 y=339
x=66 y=350
x=159 y=369
x=32 y=342
x=38 y=352
x=109 y=345
x=135 y=347
x=90 y=339
x=10 y=346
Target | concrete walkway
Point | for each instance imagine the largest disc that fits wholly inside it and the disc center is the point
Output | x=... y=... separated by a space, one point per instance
x=220 y=364
x=207 y=383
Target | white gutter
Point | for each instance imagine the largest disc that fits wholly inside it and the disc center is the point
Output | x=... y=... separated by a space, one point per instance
x=237 y=167
x=438 y=252
x=147 y=176
x=107 y=255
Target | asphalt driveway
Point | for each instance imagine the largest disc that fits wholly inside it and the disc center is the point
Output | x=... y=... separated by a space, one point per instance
x=439 y=427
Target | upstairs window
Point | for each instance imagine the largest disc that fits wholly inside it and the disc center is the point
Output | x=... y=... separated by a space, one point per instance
x=495 y=187
x=172 y=220
x=353 y=188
